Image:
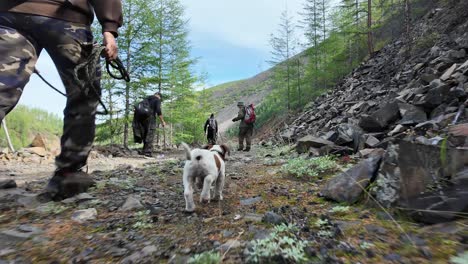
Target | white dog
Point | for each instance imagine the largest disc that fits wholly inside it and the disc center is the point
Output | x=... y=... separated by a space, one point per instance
x=204 y=166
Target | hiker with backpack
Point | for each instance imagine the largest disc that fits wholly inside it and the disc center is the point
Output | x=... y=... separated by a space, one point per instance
x=63 y=29
x=247 y=117
x=144 y=122
x=211 y=130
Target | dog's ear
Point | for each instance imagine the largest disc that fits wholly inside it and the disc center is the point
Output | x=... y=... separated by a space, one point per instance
x=225 y=149
x=207 y=146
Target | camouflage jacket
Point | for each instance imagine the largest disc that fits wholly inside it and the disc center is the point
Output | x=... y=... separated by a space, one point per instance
x=108 y=12
x=241 y=116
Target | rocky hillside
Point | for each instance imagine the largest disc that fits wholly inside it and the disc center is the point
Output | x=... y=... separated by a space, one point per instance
x=252 y=90
x=226 y=95
x=410 y=99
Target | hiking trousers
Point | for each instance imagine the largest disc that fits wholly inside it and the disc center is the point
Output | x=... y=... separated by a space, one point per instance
x=149 y=132
x=22 y=38
x=211 y=136
x=245 y=133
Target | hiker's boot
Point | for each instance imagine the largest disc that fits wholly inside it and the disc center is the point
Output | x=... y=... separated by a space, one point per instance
x=65 y=184
x=240 y=148
x=247 y=149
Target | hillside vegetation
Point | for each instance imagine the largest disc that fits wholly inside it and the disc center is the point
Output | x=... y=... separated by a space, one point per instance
x=25 y=122
x=291 y=84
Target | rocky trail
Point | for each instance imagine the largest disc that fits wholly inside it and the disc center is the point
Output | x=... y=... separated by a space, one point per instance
x=135 y=215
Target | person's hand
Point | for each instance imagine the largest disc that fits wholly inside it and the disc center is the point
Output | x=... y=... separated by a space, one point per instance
x=109 y=42
x=163 y=123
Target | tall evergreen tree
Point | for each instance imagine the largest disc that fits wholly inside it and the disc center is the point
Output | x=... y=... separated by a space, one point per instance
x=284 y=47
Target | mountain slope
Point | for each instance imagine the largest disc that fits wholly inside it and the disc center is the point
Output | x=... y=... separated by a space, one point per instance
x=398 y=86
x=226 y=96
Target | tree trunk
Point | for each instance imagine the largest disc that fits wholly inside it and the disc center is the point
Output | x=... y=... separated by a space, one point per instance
x=127 y=85
x=324 y=28
x=289 y=101
x=408 y=26
x=356 y=36
x=10 y=145
x=299 y=81
x=370 y=42
x=127 y=101
x=316 y=48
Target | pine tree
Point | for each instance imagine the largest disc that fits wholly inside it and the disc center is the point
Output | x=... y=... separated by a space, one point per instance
x=284 y=47
x=134 y=50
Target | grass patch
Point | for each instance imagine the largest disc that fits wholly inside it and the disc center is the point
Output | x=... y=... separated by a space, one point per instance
x=282 y=246
x=339 y=210
x=302 y=167
x=143 y=220
x=52 y=208
x=209 y=257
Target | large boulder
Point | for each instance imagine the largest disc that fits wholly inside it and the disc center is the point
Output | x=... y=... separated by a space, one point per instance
x=349 y=185
x=442 y=205
x=348 y=133
x=309 y=141
x=379 y=120
x=437 y=95
x=431 y=187
x=39 y=141
x=287 y=135
x=387 y=184
x=411 y=114
x=426 y=165
x=40 y=151
x=48 y=142
x=7 y=184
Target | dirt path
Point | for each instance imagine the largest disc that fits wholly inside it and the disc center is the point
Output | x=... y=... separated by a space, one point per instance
x=157 y=230
x=27 y=172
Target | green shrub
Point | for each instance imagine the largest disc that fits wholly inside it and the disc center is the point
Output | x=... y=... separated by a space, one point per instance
x=426 y=42
x=339 y=209
x=462 y=258
x=301 y=167
x=209 y=257
x=143 y=220
x=282 y=246
x=24 y=123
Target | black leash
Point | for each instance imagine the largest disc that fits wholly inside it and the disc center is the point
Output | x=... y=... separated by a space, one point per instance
x=88 y=70
x=50 y=85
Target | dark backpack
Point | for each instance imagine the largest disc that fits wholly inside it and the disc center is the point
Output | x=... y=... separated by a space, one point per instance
x=250 y=116
x=212 y=123
x=143 y=108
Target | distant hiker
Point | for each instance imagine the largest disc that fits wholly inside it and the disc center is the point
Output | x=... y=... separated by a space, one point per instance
x=211 y=130
x=63 y=29
x=247 y=117
x=144 y=122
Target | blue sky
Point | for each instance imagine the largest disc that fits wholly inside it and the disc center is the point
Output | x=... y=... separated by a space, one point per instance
x=230 y=38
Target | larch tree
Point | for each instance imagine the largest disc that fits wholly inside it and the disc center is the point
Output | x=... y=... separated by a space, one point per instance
x=284 y=47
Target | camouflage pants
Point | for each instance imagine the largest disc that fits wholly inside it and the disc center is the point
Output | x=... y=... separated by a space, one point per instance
x=22 y=38
x=245 y=133
x=149 y=133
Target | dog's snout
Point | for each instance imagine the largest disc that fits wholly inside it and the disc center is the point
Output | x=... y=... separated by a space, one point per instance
x=198 y=157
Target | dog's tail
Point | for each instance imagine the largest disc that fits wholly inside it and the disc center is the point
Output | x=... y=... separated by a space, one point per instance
x=187 y=150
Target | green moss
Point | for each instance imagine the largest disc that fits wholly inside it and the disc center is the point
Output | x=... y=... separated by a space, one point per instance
x=427 y=41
